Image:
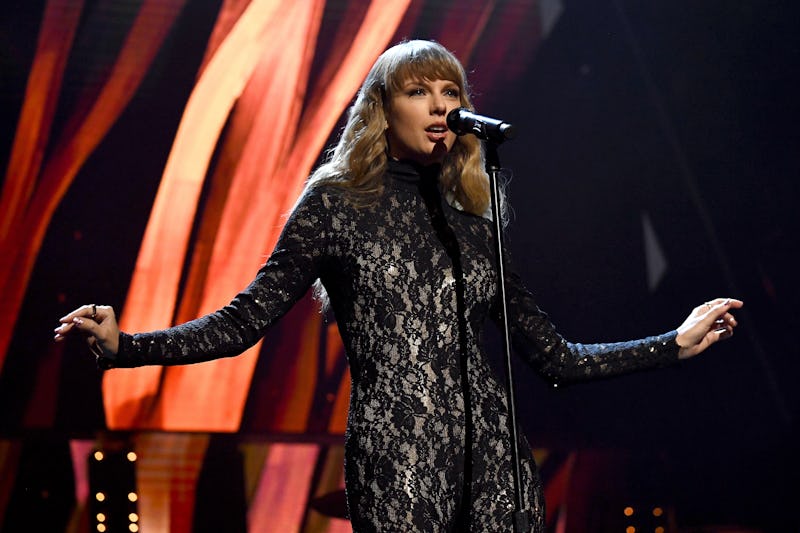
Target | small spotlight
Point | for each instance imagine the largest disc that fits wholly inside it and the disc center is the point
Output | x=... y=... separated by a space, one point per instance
x=658 y=511
x=659 y=529
x=132 y=496
x=133 y=527
x=101 y=517
x=132 y=457
x=101 y=528
x=100 y=497
x=98 y=455
x=630 y=529
x=133 y=517
x=628 y=511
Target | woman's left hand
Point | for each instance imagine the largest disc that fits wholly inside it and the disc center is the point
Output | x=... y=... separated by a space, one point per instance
x=707 y=324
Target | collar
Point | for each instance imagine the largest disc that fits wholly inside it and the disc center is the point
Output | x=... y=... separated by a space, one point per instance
x=407 y=174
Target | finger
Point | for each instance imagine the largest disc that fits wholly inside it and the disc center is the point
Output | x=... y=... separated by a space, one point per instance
x=724 y=333
x=710 y=338
x=86 y=325
x=707 y=306
x=98 y=313
x=95 y=347
x=727 y=328
x=718 y=311
x=726 y=319
x=63 y=329
x=104 y=312
x=82 y=311
x=733 y=302
x=730 y=319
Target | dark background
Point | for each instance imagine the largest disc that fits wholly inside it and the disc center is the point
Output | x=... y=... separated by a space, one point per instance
x=685 y=111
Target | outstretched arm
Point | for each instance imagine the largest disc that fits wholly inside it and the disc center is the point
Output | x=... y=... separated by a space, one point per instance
x=535 y=338
x=291 y=269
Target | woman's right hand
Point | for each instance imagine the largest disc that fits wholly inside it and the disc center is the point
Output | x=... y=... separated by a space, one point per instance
x=97 y=323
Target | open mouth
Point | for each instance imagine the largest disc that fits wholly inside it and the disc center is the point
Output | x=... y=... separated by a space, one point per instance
x=436 y=133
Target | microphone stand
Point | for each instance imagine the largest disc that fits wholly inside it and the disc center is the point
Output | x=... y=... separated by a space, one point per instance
x=521 y=516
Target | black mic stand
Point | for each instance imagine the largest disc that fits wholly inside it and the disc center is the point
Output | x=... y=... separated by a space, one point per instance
x=522 y=519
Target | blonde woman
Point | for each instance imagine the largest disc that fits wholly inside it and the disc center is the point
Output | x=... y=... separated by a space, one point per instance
x=393 y=227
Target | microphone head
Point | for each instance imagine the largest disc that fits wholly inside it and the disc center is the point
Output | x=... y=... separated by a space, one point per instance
x=507 y=131
x=462 y=121
x=457 y=121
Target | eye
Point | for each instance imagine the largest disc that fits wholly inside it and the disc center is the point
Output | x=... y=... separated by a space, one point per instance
x=416 y=91
x=452 y=92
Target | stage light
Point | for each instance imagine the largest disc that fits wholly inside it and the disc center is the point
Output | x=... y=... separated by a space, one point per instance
x=628 y=511
x=659 y=529
x=658 y=511
x=630 y=529
x=132 y=456
x=111 y=480
x=133 y=527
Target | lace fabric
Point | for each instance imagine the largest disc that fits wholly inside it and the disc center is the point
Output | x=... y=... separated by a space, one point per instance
x=412 y=282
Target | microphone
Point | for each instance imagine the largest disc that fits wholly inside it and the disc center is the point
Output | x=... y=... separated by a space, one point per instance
x=462 y=121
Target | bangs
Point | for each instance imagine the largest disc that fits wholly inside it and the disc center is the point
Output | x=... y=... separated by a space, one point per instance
x=421 y=60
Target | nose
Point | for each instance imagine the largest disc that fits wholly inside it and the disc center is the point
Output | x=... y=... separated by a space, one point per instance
x=438 y=105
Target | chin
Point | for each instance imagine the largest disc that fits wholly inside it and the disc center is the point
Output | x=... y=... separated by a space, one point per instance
x=438 y=154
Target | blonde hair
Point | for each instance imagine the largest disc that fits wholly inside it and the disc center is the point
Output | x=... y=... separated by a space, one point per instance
x=359 y=159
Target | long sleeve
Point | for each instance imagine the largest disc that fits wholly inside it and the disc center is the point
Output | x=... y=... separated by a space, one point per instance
x=295 y=263
x=535 y=338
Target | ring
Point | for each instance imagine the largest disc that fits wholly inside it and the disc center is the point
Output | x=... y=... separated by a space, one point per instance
x=94 y=311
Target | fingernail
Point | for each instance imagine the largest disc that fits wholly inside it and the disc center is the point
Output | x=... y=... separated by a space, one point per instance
x=57 y=338
x=728 y=301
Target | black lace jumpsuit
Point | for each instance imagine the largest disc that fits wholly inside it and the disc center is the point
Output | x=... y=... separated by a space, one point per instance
x=411 y=282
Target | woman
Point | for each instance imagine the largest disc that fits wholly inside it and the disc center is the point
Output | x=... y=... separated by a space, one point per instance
x=393 y=227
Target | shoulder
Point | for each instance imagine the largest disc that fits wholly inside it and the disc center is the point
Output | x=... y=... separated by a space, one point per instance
x=342 y=195
x=322 y=195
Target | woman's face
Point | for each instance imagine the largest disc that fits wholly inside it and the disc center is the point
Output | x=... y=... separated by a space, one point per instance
x=416 y=120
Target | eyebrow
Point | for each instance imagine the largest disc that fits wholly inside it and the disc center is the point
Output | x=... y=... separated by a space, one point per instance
x=427 y=83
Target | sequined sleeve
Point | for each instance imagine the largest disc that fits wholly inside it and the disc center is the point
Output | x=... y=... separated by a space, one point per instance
x=293 y=266
x=535 y=338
